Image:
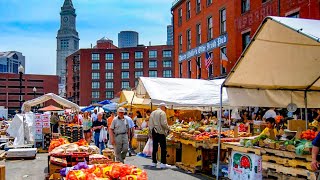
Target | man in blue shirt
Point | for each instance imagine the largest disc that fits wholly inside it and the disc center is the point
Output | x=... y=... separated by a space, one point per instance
x=131 y=127
x=315 y=153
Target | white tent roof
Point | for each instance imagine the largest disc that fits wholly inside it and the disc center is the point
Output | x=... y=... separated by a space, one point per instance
x=281 y=63
x=65 y=103
x=180 y=92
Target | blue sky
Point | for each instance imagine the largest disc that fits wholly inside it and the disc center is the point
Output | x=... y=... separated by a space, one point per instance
x=30 y=26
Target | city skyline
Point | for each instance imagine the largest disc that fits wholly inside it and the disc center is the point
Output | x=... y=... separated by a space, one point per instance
x=31 y=27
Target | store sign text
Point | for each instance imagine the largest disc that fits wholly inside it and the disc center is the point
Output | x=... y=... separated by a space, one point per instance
x=215 y=43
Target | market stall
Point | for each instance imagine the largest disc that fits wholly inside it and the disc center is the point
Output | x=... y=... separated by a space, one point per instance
x=282 y=59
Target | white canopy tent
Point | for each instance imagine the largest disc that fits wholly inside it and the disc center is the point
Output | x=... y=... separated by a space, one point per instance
x=280 y=66
x=181 y=93
x=26 y=107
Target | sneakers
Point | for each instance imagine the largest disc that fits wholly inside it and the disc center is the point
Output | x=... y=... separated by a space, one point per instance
x=164 y=166
x=153 y=165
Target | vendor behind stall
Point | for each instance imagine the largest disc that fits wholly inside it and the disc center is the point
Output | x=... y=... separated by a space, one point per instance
x=270 y=130
x=54 y=122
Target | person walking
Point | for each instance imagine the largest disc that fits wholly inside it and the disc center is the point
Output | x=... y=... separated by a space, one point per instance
x=87 y=125
x=54 y=122
x=131 y=132
x=94 y=115
x=158 y=130
x=119 y=135
x=96 y=127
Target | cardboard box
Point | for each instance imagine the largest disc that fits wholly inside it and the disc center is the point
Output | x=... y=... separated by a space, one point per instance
x=46 y=124
x=294 y=125
x=23 y=152
x=55 y=176
x=46 y=130
x=54 y=168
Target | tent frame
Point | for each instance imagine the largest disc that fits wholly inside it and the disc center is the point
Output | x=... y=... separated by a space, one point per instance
x=306 y=90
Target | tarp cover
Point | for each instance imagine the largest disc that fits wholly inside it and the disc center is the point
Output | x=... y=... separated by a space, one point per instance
x=128 y=99
x=280 y=64
x=65 y=103
x=179 y=92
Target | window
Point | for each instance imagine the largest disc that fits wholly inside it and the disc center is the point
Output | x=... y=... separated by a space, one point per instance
x=294 y=15
x=138 y=74
x=245 y=39
x=95 y=85
x=167 y=53
x=263 y=1
x=95 y=94
x=199 y=67
x=189 y=68
x=95 y=75
x=109 y=56
x=95 y=57
x=223 y=21
x=152 y=54
x=209 y=28
x=64 y=44
x=124 y=56
x=109 y=85
x=198 y=6
x=180 y=43
x=153 y=73
x=125 y=75
x=223 y=52
x=198 y=28
x=188 y=10
x=109 y=66
x=138 y=65
x=153 y=64
x=109 y=75
x=167 y=73
x=188 y=39
x=109 y=94
x=167 y=63
x=95 y=66
x=210 y=69
x=180 y=17
x=124 y=65
x=180 y=70
x=209 y=2
x=138 y=55
x=245 y=6
x=125 y=84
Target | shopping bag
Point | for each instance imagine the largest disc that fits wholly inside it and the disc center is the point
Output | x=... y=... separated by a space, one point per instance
x=147 y=150
x=103 y=135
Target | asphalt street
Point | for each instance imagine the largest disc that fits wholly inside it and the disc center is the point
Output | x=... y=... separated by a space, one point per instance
x=36 y=169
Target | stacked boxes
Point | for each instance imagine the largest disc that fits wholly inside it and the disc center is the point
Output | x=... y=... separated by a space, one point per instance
x=74 y=133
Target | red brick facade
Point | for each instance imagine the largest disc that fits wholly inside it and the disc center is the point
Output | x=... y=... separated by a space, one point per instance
x=84 y=87
x=10 y=88
x=239 y=25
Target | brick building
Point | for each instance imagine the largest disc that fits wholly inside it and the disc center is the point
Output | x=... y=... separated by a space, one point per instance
x=10 y=88
x=100 y=73
x=224 y=26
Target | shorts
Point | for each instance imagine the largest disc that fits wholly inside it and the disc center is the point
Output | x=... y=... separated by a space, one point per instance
x=87 y=131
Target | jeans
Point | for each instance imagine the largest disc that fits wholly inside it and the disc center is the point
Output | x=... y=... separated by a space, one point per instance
x=159 y=138
x=97 y=143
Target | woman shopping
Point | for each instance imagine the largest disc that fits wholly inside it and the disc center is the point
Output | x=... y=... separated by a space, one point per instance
x=87 y=125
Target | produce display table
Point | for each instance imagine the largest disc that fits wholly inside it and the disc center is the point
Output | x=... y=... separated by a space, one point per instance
x=278 y=163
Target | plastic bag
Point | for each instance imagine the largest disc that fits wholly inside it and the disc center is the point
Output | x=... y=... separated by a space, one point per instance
x=147 y=150
x=103 y=135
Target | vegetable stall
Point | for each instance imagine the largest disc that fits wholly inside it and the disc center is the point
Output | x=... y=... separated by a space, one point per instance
x=295 y=85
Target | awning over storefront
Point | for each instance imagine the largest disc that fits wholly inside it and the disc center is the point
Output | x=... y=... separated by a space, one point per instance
x=178 y=92
x=280 y=66
x=63 y=102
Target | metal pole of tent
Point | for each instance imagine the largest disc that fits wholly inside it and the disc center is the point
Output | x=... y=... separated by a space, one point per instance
x=219 y=141
x=306 y=108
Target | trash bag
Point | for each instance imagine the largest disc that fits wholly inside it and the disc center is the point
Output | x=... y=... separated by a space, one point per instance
x=103 y=135
x=147 y=150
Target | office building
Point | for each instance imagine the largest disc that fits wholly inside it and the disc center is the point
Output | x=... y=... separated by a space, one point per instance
x=170 y=35
x=97 y=74
x=128 y=39
x=10 y=61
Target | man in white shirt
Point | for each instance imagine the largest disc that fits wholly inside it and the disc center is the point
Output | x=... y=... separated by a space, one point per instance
x=94 y=115
x=270 y=114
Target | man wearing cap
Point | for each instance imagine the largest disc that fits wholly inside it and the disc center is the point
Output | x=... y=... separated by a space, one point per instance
x=158 y=130
x=119 y=135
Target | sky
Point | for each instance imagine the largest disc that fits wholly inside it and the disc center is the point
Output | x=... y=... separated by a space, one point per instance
x=30 y=26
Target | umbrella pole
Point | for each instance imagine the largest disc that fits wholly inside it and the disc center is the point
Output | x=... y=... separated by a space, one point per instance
x=306 y=108
x=219 y=135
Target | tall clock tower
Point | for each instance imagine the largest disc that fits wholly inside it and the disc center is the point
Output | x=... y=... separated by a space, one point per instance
x=67 y=41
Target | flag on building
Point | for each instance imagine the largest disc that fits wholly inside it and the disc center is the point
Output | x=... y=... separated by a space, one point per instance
x=208 y=60
x=224 y=60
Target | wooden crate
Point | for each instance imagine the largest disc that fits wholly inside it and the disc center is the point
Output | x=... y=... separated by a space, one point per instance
x=289 y=171
x=296 y=163
x=171 y=155
x=2 y=172
x=269 y=174
x=286 y=154
x=186 y=168
x=55 y=176
x=141 y=145
x=191 y=156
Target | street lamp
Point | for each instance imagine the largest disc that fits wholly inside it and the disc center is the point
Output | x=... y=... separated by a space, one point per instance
x=21 y=71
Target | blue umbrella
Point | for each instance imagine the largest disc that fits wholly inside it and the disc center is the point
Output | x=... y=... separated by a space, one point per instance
x=110 y=107
x=90 y=108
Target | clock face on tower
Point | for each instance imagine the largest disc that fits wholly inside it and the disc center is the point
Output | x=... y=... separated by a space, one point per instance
x=65 y=19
